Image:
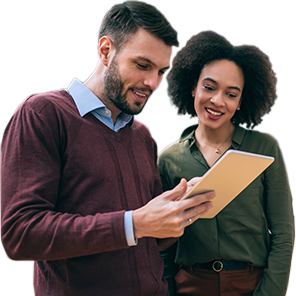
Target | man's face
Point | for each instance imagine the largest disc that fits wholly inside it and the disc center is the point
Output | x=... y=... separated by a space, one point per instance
x=113 y=87
x=136 y=71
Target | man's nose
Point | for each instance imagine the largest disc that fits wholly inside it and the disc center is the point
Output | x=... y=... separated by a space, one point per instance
x=152 y=80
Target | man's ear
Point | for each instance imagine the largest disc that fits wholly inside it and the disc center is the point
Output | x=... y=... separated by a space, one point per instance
x=105 y=49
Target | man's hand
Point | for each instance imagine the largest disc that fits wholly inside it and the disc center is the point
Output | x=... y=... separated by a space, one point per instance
x=191 y=183
x=167 y=216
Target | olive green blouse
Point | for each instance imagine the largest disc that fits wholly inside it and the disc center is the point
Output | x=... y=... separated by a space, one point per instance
x=256 y=227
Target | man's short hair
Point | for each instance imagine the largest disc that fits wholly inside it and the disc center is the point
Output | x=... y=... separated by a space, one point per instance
x=124 y=20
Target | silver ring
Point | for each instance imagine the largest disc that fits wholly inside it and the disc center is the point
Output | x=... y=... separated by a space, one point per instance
x=190 y=220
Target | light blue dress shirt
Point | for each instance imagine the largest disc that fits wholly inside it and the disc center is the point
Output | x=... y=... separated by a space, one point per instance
x=87 y=102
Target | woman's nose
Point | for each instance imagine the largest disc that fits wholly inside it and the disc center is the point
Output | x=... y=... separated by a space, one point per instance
x=217 y=99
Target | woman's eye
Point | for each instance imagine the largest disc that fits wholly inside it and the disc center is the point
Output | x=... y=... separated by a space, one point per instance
x=207 y=87
x=232 y=95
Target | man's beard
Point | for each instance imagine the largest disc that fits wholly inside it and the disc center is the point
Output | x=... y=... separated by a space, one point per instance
x=113 y=88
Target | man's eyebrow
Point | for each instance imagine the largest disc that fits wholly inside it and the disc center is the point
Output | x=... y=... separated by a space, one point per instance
x=151 y=63
x=215 y=82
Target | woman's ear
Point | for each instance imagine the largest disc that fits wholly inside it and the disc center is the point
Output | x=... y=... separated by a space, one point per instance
x=239 y=104
x=193 y=92
x=105 y=49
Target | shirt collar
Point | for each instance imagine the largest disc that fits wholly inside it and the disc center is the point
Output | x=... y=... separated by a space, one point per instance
x=188 y=135
x=237 y=138
x=86 y=101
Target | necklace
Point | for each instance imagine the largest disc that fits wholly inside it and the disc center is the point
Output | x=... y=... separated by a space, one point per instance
x=217 y=148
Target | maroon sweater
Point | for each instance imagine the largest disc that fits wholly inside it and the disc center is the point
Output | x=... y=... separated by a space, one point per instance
x=66 y=183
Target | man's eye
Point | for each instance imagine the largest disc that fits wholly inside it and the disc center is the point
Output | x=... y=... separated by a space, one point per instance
x=142 y=66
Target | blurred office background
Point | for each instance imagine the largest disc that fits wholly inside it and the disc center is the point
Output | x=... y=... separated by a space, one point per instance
x=45 y=43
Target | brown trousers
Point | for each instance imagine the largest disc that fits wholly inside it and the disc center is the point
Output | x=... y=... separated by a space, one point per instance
x=201 y=282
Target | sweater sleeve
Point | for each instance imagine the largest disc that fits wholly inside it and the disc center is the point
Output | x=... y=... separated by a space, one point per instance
x=31 y=169
x=279 y=213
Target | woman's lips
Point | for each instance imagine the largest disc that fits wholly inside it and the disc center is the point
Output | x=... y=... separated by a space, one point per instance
x=214 y=112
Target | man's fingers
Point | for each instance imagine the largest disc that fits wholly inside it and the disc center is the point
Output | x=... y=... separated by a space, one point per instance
x=195 y=213
x=193 y=181
x=177 y=192
x=201 y=209
x=196 y=200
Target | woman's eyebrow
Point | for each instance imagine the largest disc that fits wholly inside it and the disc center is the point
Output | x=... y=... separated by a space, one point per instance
x=210 y=79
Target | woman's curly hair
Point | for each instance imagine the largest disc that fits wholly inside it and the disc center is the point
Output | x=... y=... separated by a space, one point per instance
x=259 y=92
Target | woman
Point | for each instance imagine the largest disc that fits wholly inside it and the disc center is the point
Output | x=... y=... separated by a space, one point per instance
x=247 y=248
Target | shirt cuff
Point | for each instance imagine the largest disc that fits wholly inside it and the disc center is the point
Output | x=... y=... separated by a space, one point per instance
x=129 y=229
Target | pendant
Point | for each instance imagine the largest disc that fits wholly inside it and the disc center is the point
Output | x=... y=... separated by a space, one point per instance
x=217 y=151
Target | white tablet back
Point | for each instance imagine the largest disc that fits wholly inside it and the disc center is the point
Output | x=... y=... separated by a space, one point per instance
x=229 y=176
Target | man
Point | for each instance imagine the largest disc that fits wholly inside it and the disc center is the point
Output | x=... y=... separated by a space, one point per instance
x=81 y=193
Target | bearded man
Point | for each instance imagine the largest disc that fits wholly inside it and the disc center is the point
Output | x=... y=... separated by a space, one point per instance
x=81 y=192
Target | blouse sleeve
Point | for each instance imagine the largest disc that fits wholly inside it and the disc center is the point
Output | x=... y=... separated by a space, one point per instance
x=279 y=213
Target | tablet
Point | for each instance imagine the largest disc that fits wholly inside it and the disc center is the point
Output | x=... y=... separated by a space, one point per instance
x=228 y=177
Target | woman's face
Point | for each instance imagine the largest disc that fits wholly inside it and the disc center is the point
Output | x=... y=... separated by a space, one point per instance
x=218 y=93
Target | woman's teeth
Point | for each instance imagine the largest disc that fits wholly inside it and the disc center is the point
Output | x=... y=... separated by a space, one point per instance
x=214 y=113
